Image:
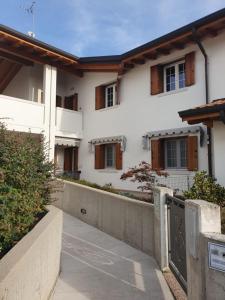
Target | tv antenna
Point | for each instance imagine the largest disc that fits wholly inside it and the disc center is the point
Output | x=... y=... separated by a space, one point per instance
x=30 y=10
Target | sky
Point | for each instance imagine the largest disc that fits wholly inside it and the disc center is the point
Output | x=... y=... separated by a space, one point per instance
x=103 y=27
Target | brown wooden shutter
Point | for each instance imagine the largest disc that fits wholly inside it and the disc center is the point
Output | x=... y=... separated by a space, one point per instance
x=190 y=68
x=71 y=102
x=68 y=159
x=118 y=91
x=75 y=102
x=75 y=159
x=156 y=79
x=157 y=153
x=99 y=97
x=119 y=157
x=192 y=147
x=99 y=156
x=58 y=101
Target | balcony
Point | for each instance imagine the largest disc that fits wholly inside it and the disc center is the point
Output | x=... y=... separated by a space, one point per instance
x=22 y=115
x=68 y=123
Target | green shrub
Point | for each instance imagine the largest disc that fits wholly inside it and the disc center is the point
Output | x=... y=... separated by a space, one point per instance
x=25 y=185
x=206 y=188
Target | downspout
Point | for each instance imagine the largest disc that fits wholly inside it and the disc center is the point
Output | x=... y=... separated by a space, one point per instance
x=209 y=132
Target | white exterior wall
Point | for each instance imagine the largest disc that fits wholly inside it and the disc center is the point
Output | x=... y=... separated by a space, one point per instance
x=139 y=112
x=219 y=151
x=26 y=83
x=22 y=115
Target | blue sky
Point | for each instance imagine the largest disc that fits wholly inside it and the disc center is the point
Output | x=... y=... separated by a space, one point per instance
x=103 y=27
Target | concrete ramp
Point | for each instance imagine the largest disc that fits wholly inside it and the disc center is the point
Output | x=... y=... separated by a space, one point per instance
x=96 y=266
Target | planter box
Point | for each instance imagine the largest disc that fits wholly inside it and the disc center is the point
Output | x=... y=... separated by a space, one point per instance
x=30 y=269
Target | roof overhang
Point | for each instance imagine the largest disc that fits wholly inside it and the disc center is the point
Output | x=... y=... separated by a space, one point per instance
x=31 y=49
x=206 y=114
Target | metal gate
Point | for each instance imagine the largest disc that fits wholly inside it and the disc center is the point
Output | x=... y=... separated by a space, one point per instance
x=177 y=245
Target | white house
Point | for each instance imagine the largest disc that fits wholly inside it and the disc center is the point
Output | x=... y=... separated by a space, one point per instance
x=102 y=115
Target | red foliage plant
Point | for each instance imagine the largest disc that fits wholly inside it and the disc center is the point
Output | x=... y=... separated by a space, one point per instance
x=143 y=174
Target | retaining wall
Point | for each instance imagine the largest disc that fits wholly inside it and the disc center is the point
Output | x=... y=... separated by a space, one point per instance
x=129 y=220
x=30 y=269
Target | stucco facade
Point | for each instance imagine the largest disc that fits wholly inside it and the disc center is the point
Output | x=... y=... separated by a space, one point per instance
x=138 y=112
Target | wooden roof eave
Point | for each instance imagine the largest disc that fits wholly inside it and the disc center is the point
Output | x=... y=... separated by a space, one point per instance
x=207 y=119
x=26 y=50
x=176 y=43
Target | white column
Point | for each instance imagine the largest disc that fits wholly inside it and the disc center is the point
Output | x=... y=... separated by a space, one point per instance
x=200 y=217
x=161 y=226
x=49 y=89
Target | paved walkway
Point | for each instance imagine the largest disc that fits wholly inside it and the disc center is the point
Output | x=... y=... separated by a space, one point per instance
x=96 y=266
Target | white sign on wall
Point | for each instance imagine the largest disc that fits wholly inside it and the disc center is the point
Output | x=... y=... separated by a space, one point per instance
x=216 y=256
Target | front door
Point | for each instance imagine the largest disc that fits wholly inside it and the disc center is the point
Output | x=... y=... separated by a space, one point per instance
x=71 y=159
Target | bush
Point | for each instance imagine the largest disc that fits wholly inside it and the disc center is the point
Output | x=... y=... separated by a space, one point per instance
x=144 y=175
x=25 y=185
x=206 y=188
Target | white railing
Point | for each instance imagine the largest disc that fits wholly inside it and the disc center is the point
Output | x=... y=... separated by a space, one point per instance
x=68 y=123
x=21 y=115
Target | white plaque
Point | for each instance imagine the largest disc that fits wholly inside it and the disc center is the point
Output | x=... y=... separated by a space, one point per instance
x=216 y=256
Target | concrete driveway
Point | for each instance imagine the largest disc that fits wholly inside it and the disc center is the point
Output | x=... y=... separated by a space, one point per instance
x=96 y=266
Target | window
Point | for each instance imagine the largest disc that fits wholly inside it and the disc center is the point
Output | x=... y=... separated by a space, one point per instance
x=176 y=153
x=106 y=95
x=110 y=95
x=174 y=76
x=165 y=78
x=110 y=155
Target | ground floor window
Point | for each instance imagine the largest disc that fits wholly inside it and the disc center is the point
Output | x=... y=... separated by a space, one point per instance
x=108 y=156
x=176 y=153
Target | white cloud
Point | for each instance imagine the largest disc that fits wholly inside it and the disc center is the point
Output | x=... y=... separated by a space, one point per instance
x=100 y=27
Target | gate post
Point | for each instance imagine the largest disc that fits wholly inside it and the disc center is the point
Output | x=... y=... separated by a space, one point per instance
x=161 y=226
x=200 y=217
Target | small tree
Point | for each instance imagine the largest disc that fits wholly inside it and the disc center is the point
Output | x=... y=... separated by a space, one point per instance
x=25 y=185
x=206 y=188
x=144 y=175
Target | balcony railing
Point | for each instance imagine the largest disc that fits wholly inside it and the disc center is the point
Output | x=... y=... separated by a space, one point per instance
x=21 y=115
x=68 y=123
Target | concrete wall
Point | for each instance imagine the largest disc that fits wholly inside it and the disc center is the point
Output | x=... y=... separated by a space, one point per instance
x=218 y=149
x=126 y=219
x=30 y=269
x=203 y=225
x=214 y=280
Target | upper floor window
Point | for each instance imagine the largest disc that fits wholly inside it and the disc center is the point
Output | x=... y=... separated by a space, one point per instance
x=110 y=92
x=174 y=76
x=166 y=78
x=107 y=95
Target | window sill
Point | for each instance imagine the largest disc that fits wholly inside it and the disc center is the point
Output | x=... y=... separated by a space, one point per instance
x=108 y=108
x=173 y=92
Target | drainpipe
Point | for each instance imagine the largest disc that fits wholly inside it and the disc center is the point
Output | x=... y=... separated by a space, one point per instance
x=209 y=132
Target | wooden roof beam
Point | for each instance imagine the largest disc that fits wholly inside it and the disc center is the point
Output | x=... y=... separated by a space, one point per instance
x=128 y=66
x=151 y=56
x=15 y=58
x=178 y=45
x=138 y=61
x=164 y=51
